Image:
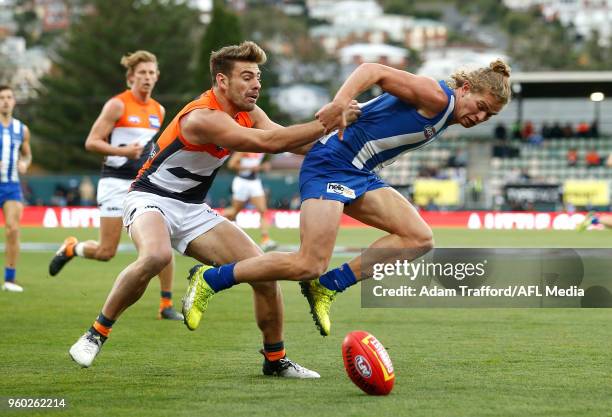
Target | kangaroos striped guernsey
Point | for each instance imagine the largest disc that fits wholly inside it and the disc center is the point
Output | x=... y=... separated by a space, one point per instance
x=182 y=170
x=139 y=123
x=387 y=128
x=12 y=138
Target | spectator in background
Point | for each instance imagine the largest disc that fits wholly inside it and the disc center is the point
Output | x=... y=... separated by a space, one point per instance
x=59 y=196
x=27 y=193
x=592 y=158
x=87 y=192
x=572 y=157
x=556 y=131
x=568 y=130
x=583 y=130
x=524 y=176
x=594 y=129
x=535 y=139
x=500 y=132
x=546 y=129
x=516 y=130
x=458 y=159
x=72 y=196
x=527 y=130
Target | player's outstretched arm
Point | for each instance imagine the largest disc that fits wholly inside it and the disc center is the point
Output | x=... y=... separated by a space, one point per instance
x=97 y=140
x=422 y=92
x=203 y=126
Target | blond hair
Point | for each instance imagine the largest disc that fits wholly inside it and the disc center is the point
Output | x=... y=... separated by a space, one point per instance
x=131 y=60
x=222 y=61
x=494 y=79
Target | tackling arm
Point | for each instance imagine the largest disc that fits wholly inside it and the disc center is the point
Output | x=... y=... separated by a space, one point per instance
x=203 y=126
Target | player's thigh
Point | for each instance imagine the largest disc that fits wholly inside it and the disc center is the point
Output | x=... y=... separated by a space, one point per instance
x=110 y=232
x=13 y=210
x=224 y=243
x=387 y=210
x=260 y=203
x=150 y=234
x=319 y=223
x=238 y=205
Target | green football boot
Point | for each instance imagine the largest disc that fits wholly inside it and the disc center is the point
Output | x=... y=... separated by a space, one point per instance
x=195 y=300
x=320 y=299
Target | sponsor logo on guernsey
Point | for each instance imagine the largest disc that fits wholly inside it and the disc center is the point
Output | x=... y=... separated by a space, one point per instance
x=363 y=367
x=154 y=121
x=134 y=119
x=429 y=131
x=335 y=188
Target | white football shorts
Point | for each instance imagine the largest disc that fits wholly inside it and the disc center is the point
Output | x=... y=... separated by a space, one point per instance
x=185 y=221
x=244 y=190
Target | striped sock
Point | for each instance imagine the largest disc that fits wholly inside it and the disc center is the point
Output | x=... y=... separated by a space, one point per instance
x=102 y=327
x=274 y=351
x=9 y=274
x=166 y=300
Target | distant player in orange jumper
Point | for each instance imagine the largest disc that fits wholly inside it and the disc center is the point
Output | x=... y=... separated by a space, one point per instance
x=247 y=187
x=123 y=132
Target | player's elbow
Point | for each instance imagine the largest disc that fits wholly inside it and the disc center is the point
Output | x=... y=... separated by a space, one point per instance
x=90 y=145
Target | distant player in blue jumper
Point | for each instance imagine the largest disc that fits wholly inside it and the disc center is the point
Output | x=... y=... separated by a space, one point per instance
x=339 y=176
x=15 y=158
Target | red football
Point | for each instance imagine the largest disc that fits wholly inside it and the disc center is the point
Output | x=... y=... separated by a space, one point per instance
x=367 y=363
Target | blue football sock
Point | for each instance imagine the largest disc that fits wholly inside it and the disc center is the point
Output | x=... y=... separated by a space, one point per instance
x=220 y=278
x=338 y=279
x=595 y=220
x=9 y=274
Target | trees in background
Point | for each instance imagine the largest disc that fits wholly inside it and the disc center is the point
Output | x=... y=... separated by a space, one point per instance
x=86 y=72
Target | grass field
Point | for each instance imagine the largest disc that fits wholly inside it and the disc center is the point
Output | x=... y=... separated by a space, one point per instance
x=449 y=362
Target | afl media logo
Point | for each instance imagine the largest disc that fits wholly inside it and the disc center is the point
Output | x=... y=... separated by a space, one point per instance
x=429 y=131
x=363 y=367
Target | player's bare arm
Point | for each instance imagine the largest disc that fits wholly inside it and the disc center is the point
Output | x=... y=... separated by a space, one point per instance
x=262 y=121
x=97 y=140
x=25 y=152
x=202 y=126
x=234 y=161
x=422 y=92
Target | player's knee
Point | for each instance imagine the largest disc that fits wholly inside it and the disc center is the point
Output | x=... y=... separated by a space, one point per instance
x=105 y=254
x=424 y=241
x=12 y=231
x=155 y=262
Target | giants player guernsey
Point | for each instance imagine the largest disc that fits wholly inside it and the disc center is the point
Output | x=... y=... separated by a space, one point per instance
x=139 y=123
x=182 y=170
x=248 y=161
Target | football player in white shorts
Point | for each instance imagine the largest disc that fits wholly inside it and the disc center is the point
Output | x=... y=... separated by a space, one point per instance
x=247 y=188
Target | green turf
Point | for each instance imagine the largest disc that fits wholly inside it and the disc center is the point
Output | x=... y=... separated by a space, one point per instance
x=449 y=362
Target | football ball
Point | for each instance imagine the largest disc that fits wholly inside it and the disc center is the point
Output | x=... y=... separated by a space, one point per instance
x=367 y=363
